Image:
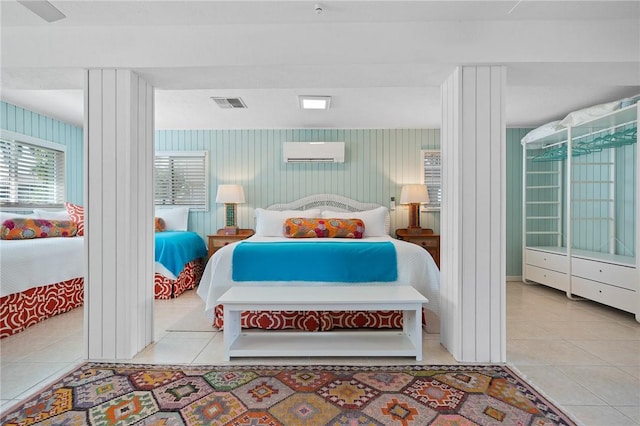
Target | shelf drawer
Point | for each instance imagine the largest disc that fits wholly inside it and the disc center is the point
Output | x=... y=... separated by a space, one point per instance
x=546 y=260
x=550 y=278
x=425 y=242
x=617 y=275
x=603 y=293
x=222 y=243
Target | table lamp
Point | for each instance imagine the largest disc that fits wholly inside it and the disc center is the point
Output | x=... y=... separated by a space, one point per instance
x=230 y=195
x=414 y=195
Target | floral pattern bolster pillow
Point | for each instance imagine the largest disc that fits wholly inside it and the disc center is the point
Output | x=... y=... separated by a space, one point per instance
x=301 y=227
x=76 y=214
x=24 y=229
x=160 y=224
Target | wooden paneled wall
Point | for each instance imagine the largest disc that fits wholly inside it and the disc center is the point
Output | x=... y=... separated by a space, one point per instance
x=378 y=162
x=514 y=202
x=20 y=120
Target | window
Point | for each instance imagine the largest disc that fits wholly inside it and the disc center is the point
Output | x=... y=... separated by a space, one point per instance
x=32 y=172
x=432 y=177
x=181 y=179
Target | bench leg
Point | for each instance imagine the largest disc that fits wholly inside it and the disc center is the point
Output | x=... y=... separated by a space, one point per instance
x=412 y=327
x=231 y=331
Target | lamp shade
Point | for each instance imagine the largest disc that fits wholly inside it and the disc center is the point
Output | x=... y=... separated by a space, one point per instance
x=230 y=194
x=414 y=193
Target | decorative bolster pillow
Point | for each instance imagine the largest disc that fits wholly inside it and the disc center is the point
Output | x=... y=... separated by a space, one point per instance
x=160 y=224
x=24 y=229
x=301 y=227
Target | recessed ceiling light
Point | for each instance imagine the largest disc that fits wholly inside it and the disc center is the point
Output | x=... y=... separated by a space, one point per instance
x=314 y=102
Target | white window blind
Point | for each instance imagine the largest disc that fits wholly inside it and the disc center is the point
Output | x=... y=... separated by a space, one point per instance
x=31 y=175
x=432 y=177
x=181 y=179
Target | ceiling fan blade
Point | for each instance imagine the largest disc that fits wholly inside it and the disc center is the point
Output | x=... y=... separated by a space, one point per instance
x=43 y=9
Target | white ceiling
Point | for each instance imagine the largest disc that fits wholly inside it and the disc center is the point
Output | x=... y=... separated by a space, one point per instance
x=381 y=61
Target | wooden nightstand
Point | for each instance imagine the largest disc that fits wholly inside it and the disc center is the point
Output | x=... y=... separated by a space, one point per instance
x=427 y=239
x=220 y=239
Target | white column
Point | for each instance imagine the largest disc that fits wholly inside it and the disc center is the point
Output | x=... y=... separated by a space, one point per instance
x=473 y=214
x=118 y=201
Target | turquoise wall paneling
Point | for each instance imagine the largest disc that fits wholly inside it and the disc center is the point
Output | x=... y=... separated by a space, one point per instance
x=378 y=162
x=514 y=202
x=19 y=120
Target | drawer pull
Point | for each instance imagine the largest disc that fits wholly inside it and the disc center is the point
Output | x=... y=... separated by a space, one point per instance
x=600 y=270
x=226 y=243
x=424 y=244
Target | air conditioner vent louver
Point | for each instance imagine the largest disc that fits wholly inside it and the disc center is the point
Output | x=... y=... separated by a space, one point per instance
x=228 y=103
x=313 y=152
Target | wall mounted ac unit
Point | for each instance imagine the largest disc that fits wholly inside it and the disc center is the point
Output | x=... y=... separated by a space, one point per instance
x=313 y=152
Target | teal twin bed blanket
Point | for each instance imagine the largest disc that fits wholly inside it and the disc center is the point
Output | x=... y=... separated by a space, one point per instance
x=174 y=249
x=314 y=261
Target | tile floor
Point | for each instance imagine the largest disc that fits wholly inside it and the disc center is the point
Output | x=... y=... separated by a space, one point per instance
x=584 y=356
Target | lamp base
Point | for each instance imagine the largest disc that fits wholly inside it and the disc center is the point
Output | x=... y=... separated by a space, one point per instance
x=414 y=219
x=414 y=230
x=230 y=230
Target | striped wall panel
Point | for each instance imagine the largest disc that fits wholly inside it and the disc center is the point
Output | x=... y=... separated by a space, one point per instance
x=378 y=162
x=118 y=265
x=472 y=278
x=20 y=120
x=514 y=201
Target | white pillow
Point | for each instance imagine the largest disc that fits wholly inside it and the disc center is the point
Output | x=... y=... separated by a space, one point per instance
x=45 y=214
x=375 y=221
x=175 y=219
x=269 y=222
x=577 y=117
x=540 y=132
x=8 y=215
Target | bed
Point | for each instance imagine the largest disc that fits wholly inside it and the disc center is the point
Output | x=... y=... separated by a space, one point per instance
x=414 y=266
x=43 y=277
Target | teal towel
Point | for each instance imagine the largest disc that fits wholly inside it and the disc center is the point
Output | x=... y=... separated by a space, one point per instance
x=315 y=261
x=174 y=249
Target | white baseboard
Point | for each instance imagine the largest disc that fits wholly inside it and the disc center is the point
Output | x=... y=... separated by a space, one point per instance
x=514 y=278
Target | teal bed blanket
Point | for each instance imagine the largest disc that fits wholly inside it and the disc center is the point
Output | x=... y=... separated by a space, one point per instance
x=313 y=261
x=174 y=249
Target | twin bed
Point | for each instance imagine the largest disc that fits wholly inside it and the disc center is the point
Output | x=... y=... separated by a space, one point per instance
x=43 y=277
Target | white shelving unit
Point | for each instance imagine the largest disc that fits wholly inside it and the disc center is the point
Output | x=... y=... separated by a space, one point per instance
x=581 y=217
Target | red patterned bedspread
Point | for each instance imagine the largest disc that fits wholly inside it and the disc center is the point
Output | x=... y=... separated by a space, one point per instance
x=314 y=320
x=21 y=310
x=166 y=288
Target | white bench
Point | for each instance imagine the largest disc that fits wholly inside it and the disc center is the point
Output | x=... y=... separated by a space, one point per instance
x=239 y=343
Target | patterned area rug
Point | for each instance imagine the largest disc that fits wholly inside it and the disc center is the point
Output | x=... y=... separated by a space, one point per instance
x=128 y=394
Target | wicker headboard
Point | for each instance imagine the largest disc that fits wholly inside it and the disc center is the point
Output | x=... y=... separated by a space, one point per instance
x=330 y=202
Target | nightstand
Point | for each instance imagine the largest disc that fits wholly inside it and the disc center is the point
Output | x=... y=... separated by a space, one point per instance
x=427 y=239
x=220 y=239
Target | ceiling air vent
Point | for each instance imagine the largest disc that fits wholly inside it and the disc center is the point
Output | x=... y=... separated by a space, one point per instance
x=229 y=102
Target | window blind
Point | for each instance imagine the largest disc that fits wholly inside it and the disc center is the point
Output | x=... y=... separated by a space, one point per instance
x=432 y=177
x=31 y=175
x=181 y=179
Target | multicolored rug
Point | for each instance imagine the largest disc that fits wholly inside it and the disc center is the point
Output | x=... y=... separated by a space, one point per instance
x=128 y=394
